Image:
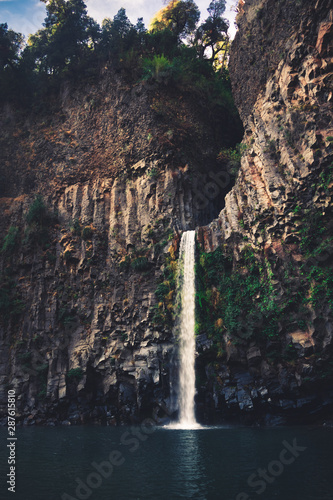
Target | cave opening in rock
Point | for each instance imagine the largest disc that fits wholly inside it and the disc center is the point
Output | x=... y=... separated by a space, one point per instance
x=210 y=187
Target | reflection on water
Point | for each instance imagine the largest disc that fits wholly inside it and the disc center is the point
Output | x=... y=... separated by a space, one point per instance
x=189 y=474
x=199 y=464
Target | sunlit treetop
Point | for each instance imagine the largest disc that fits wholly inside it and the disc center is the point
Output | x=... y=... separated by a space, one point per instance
x=213 y=34
x=179 y=16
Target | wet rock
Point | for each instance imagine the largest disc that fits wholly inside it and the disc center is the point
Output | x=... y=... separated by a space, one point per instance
x=242 y=378
x=306 y=401
x=253 y=356
x=287 y=404
x=230 y=396
x=244 y=400
x=303 y=342
x=274 y=420
x=232 y=351
x=203 y=343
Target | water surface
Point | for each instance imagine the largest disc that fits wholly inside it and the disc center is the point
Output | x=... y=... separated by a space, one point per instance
x=171 y=464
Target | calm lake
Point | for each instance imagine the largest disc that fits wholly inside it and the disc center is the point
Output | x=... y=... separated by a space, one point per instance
x=213 y=463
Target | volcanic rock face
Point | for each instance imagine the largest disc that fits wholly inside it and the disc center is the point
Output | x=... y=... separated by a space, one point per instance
x=86 y=309
x=282 y=75
x=84 y=337
x=88 y=270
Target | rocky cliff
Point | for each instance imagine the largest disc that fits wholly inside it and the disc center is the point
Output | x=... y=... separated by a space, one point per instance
x=274 y=235
x=98 y=183
x=97 y=187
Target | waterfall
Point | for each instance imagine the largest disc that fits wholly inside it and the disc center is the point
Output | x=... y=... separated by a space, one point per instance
x=186 y=284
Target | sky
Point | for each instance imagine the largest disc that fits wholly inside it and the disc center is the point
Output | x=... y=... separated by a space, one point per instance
x=27 y=16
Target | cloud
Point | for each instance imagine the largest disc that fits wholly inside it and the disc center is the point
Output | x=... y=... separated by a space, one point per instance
x=23 y=17
x=100 y=9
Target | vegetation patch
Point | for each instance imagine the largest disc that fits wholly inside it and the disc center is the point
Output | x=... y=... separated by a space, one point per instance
x=87 y=232
x=140 y=264
x=164 y=312
x=39 y=220
x=75 y=374
x=231 y=157
x=66 y=317
x=246 y=299
x=10 y=240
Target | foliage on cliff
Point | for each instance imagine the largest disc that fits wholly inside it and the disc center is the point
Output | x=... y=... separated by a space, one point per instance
x=256 y=297
x=71 y=45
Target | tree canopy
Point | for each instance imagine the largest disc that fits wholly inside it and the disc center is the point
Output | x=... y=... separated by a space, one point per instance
x=68 y=36
x=71 y=44
x=213 y=33
x=10 y=46
x=179 y=16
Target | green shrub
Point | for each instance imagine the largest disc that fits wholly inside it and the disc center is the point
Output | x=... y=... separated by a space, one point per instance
x=42 y=369
x=232 y=157
x=326 y=177
x=42 y=393
x=159 y=68
x=10 y=240
x=38 y=219
x=66 y=317
x=124 y=336
x=161 y=291
x=67 y=254
x=87 y=233
x=25 y=359
x=152 y=173
x=245 y=295
x=37 y=212
x=75 y=374
x=157 y=249
x=140 y=264
x=242 y=298
x=76 y=227
x=164 y=313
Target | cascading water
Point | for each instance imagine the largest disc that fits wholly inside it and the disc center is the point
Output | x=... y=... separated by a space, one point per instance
x=186 y=384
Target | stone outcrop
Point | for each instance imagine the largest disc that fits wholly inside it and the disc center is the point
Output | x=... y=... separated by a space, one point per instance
x=282 y=72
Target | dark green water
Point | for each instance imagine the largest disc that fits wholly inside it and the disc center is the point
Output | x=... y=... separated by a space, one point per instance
x=207 y=464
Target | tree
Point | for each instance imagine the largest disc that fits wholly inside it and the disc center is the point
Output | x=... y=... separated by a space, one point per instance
x=121 y=25
x=68 y=36
x=216 y=8
x=179 y=16
x=213 y=34
x=10 y=45
x=140 y=26
x=118 y=35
